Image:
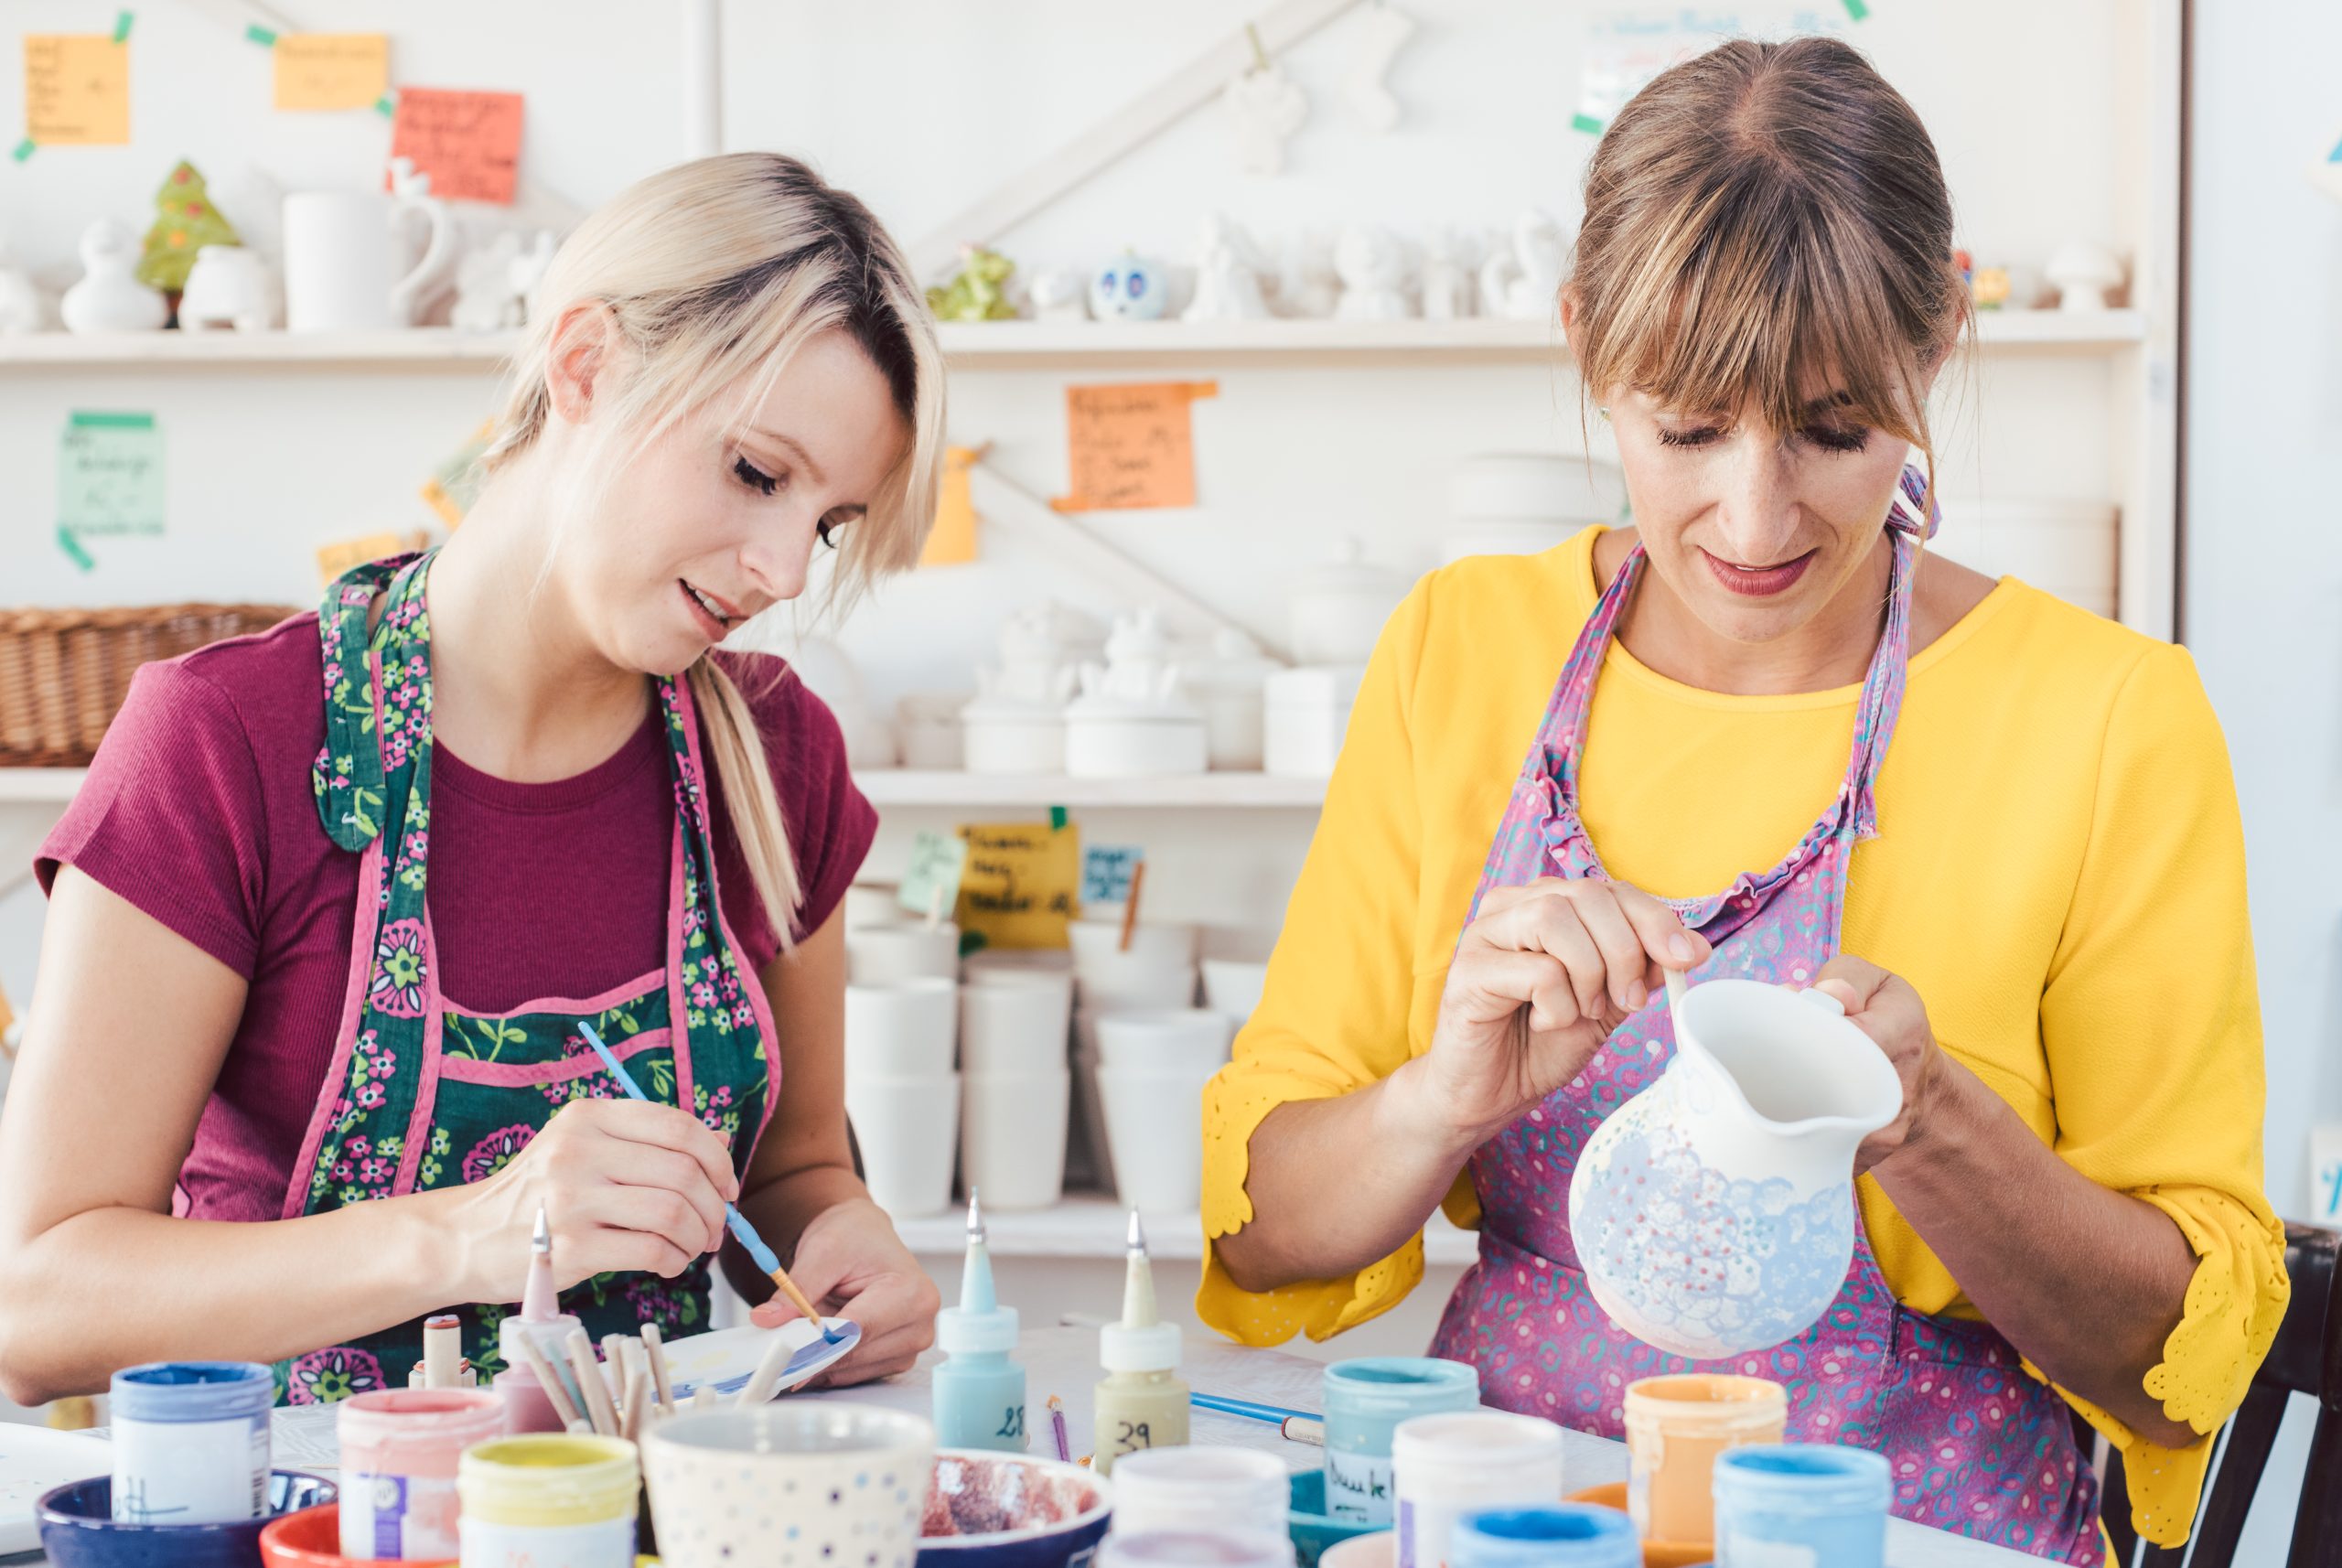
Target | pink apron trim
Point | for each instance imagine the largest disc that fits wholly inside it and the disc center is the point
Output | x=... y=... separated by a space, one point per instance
x=522 y=1075
x=366 y=919
x=585 y=1009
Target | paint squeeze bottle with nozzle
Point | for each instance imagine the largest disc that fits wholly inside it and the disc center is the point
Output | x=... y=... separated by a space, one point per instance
x=979 y=1391
x=1142 y=1402
x=527 y=1406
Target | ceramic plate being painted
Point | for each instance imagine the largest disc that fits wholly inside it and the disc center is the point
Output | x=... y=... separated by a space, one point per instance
x=32 y=1460
x=725 y=1359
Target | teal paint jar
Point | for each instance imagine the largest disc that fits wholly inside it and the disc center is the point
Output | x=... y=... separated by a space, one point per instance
x=1365 y=1401
x=1818 y=1502
x=1566 y=1535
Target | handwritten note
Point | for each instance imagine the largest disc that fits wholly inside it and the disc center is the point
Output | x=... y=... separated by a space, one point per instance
x=1022 y=882
x=952 y=541
x=1106 y=871
x=77 y=90
x=932 y=881
x=335 y=559
x=332 y=70
x=110 y=475
x=469 y=142
x=1131 y=445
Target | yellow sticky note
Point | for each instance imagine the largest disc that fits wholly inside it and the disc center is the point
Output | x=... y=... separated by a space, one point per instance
x=952 y=541
x=331 y=71
x=77 y=90
x=1022 y=882
x=1130 y=445
x=335 y=559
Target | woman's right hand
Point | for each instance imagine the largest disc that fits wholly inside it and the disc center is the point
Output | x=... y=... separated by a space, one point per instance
x=1539 y=981
x=625 y=1184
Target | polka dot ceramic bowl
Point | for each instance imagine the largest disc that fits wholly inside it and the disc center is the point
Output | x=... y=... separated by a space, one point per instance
x=1007 y=1510
x=790 y=1486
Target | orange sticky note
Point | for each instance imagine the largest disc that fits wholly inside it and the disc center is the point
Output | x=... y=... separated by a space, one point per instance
x=332 y=70
x=1130 y=445
x=952 y=541
x=469 y=142
x=77 y=90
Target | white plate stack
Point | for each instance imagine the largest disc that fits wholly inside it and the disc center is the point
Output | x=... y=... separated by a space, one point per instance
x=2062 y=547
x=1523 y=503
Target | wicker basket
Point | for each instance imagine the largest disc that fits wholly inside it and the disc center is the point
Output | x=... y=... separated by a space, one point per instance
x=64 y=674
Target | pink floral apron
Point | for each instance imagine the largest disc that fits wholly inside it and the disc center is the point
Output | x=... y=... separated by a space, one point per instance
x=1975 y=1446
x=423 y=1093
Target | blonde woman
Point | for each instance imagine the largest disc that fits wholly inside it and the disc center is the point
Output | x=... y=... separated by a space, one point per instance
x=305 y=1059
x=1763 y=734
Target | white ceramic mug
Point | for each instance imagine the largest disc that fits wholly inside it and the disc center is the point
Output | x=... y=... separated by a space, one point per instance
x=1096 y=941
x=1233 y=987
x=1187 y=1039
x=1014 y=1021
x=889 y=954
x=908 y=1129
x=1131 y=981
x=1155 y=1120
x=796 y=1481
x=346 y=261
x=903 y=1029
x=1012 y=1137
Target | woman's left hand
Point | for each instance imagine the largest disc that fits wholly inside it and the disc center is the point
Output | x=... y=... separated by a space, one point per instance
x=850 y=1263
x=1889 y=1010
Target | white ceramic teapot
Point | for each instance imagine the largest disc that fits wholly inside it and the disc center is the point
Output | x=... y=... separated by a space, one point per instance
x=1714 y=1213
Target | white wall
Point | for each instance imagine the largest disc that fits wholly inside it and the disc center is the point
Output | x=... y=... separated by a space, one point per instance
x=2264 y=559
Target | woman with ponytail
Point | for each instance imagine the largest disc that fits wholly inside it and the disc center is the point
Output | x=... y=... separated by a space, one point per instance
x=304 y=1062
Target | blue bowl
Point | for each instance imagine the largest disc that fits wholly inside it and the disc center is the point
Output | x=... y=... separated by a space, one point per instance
x=1312 y=1527
x=78 y=1530
x=989 y=1510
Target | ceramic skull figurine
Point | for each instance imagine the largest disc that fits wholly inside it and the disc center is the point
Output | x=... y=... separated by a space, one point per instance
x=1128 y=288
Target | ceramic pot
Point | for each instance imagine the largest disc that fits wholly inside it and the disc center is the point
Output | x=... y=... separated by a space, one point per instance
x=1012 y=1135
x=1338 y=609
x=850 y=1481
x=1096 y=942
x=1154 y=1122
x=1002 y=738
x=899 y=950
x=1013 y=1022
x=228 y=286
x=909 y=1131
x=1308 y=713
x=1714 y=1211
x=1233 y=987
x=902 y=1029
x=1173 y=1039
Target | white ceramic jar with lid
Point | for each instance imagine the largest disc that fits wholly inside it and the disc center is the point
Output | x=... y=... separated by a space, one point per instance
x=1225 y=681
x=1337 y=608
x=1133 y=719
x=1306 y=713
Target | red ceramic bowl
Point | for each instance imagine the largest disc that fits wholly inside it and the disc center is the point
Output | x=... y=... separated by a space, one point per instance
x=312 y=1539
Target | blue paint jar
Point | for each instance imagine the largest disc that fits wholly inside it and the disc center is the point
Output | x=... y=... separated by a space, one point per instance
x=1365 y=1401
x=1566 y=1535
x=190 y=1442
x=1826 y=1501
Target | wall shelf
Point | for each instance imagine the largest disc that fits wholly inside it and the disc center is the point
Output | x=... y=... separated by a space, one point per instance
x=1002 y=345
x=1092 y=1225
x=906 y=787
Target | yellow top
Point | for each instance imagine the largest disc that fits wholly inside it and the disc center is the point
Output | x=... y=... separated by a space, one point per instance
x=2059 y=871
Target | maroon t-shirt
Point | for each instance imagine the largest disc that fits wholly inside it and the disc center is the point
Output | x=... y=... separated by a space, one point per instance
x=198 y=811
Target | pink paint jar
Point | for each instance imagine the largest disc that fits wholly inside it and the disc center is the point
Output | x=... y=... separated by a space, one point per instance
x=398 y=1450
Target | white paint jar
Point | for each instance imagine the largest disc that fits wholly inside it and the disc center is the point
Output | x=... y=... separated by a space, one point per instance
x=1467 y=1462
x=1239 y=1490
x=190 y=1442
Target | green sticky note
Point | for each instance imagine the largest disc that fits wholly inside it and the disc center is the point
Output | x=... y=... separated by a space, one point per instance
x=1586 y=122
x=932 y=881
x=24 y=149
x=120 y=26
x=110 y=475
x=1857 y=10
x=73 y=550
x=1107 y=870
x=1057 y=819
x=262 y=36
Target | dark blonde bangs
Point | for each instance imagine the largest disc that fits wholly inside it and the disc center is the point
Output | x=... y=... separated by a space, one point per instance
x=1766 y=227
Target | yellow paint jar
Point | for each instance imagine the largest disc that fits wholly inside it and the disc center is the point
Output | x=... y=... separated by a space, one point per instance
x=549 y=1501
x=1675 y=1428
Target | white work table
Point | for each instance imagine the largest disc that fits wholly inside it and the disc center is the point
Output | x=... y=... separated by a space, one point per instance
x=1064 y=1362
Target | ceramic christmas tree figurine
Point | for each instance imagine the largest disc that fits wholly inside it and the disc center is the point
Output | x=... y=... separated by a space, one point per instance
x=980 y=292
x=185 y=221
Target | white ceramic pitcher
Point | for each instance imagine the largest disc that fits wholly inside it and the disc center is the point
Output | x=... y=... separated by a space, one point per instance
x=1713 y=1212
x=346 y=259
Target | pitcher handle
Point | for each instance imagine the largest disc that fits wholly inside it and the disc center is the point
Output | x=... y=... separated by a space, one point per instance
x=1823 y=1000
x=437 y=252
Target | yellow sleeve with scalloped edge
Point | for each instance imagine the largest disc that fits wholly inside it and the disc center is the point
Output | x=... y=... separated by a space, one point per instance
x=2157 y=1066
x=1334 y=1014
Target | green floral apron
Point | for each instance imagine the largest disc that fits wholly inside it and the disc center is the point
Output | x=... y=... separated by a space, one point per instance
x=423 y=1093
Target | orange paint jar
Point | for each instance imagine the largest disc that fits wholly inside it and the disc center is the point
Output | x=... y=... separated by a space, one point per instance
x=1675 y=1428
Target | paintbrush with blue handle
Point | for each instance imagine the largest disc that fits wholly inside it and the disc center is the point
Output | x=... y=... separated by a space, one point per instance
x=765 y=1259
